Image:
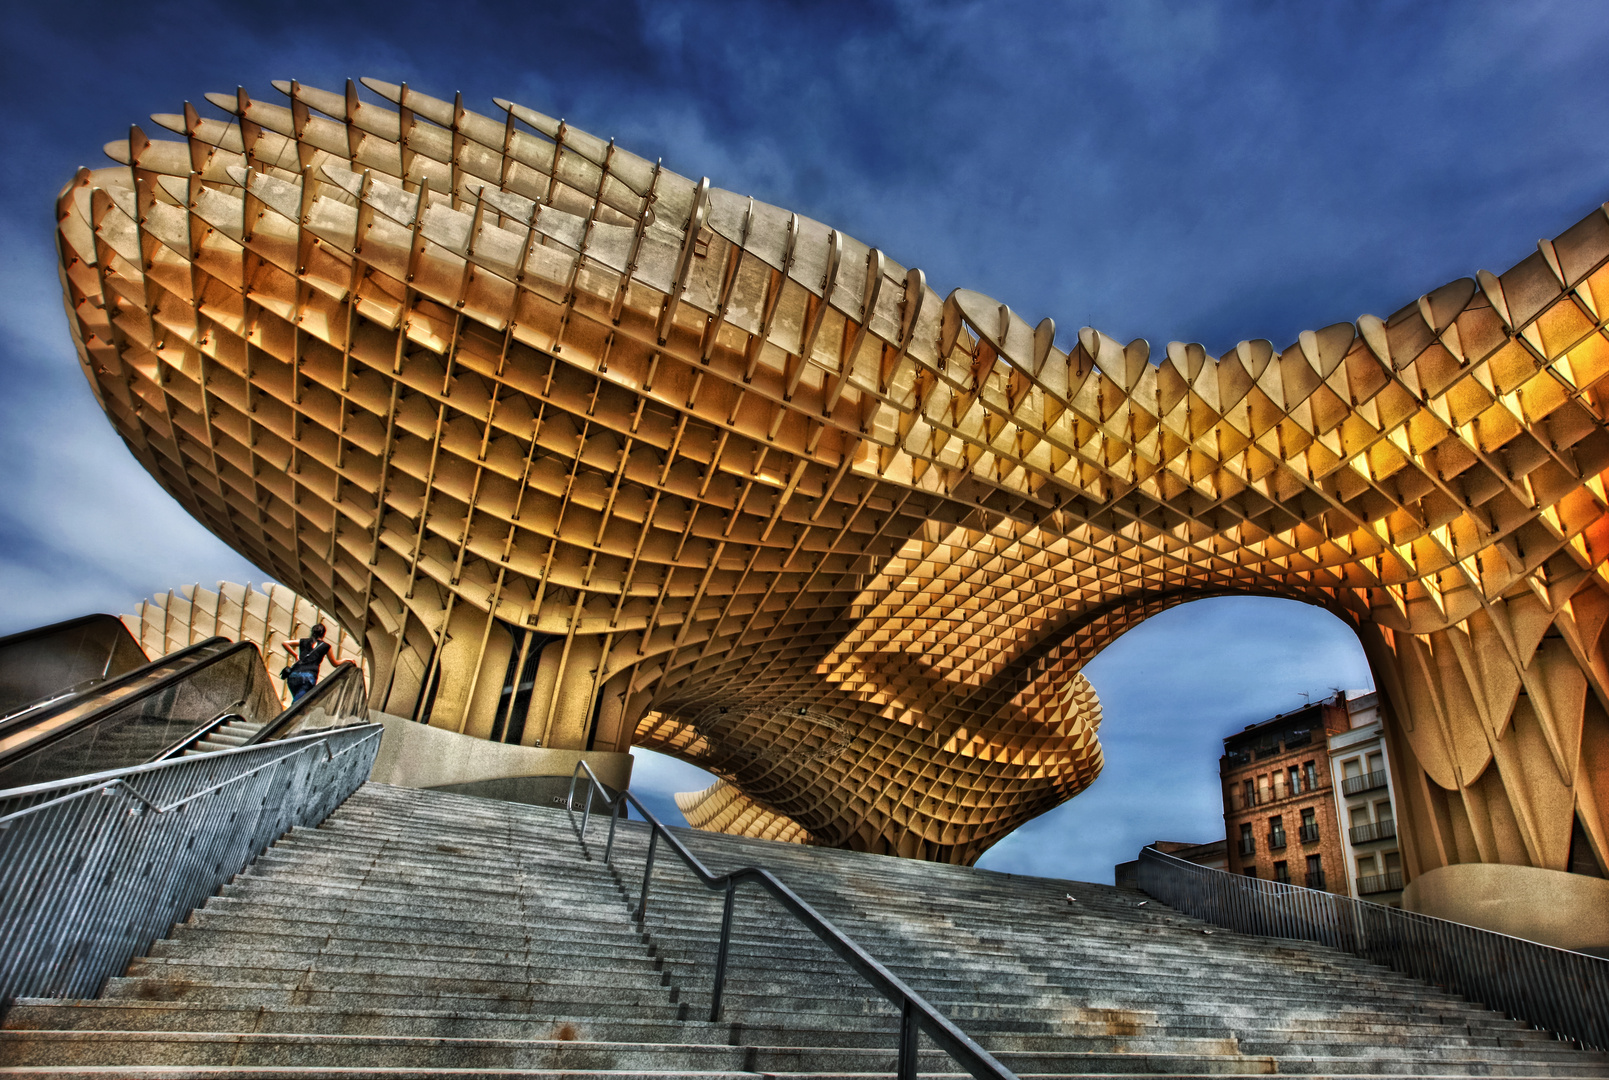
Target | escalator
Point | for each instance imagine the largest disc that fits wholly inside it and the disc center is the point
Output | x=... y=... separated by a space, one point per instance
x=56 y=661
x=83 y=719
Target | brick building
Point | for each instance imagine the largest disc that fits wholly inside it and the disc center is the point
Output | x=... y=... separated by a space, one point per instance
x=1280 y=815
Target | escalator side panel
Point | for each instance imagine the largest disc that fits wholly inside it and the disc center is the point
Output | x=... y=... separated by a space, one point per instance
x=48 y=660
x=144 y=720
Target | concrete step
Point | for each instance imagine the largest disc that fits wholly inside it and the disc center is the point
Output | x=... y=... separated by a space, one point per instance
x=80 y=1048
x=427 y=934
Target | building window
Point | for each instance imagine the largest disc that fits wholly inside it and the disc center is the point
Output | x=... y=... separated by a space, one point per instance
x=1262 y=789
x=1248 y=846
x=1295 y=776
x=1382 y=810
x=1311 y=775
x=1250 y=794
x=1276 y=832
x=1359 y=816
x=1315 y=872
x=1351 y=768
x=1387 y=880
x=1282 y=873
x=1377 y=763
x=1309 y=826
x=1249 y=871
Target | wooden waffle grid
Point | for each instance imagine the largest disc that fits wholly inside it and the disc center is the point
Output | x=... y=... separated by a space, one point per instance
x=479 y=386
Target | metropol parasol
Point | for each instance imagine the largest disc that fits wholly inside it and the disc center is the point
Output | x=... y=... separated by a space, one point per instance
x=589 y=455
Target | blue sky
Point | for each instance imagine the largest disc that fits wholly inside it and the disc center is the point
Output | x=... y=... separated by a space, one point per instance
x=1194 y=171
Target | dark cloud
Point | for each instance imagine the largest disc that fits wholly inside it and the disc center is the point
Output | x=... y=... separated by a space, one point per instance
x=1208 y=171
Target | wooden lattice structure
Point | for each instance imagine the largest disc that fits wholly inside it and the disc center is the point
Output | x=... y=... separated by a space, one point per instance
x=591 y=454
x=723 y=808
x=269 y=617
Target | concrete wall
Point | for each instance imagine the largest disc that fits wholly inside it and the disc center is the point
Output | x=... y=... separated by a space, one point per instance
x=420 y=756
x=1567 y=911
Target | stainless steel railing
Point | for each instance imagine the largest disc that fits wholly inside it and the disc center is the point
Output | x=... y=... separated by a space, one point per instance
x=916 y=1015
x=1561 y=991
x=93 y=869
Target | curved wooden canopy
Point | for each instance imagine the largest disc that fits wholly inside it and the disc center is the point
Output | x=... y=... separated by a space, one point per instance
x=591 y=454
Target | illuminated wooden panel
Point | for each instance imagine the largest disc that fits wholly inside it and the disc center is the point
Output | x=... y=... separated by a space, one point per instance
x=723 y=808
x=587 y=452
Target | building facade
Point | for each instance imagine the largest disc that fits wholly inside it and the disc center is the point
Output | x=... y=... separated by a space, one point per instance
x=1360 y=775
x=1280 y=819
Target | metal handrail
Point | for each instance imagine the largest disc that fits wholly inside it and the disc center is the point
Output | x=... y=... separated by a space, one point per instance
x=1561 y=991
x=187 y=741
x=78 y=899
x=14 y=719
x=916 y=1014
x=325 y=686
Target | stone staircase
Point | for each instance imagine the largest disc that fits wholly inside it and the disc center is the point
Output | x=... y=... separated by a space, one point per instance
x=424 y=934
x=224 y=737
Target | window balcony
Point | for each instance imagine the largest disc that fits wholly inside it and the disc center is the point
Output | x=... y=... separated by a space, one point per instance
x=1390 y=881
x=1374 y=830
x=1248 y=847
x=1315 y=880
x=1309 y=834
x=1276 y=839
x=1356 y=785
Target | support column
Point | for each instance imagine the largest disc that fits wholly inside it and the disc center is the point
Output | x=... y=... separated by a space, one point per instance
x=453 y=666
x=542 y=683
x=489 y=685
x=572 y=700
x=1497 y=727
x=614 y=730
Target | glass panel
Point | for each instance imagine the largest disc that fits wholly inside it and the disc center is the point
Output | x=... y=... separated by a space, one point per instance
x=135 y=724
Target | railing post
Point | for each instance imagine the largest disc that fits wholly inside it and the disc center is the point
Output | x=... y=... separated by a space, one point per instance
x=720 y=956
x=647 y=870
x=586 y=811
x=906 y=1067
x=614 y=817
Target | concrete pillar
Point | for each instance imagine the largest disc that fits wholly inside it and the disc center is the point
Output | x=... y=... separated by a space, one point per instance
x=615 y=726
x=572 y=703
x=407 y=679
x=489 y=687
x=456 y=664
x=536 y=713
x=380 y=649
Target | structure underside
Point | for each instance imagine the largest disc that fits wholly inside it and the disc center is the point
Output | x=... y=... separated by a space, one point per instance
x=591 y=455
